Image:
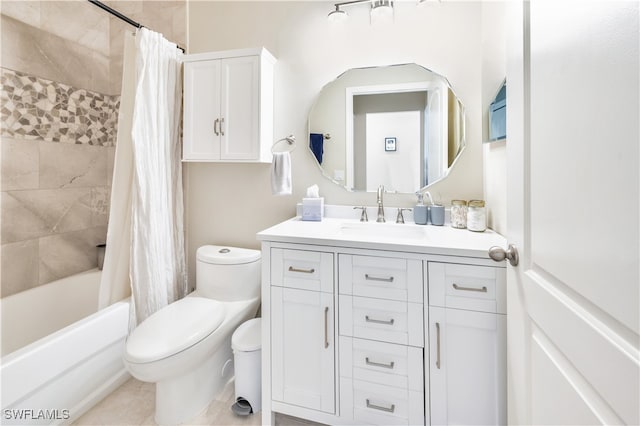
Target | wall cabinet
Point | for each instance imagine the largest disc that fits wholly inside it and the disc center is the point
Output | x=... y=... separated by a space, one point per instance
x=228 y=106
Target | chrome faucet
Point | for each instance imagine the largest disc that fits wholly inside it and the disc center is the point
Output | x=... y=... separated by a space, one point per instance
x=380 y=205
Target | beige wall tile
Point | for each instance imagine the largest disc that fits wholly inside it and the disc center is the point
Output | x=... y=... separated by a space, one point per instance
x=77 y=21
x=19 y=164
x=31 y=50
x=23 y=11
x=19 y=267
x=69 y=253
x=69 y=166
x=38 y=213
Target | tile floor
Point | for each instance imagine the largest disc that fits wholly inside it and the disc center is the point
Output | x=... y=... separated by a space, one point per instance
x=133 y=403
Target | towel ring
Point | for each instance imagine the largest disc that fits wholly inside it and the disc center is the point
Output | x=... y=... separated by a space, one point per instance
x=281 y=146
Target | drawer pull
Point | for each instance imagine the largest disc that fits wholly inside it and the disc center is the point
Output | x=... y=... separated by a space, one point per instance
x=371 y=278
x=378 y=407
x=481 y=290
x=326 y=327
x=438 y=345
x=379 y=364
x=377 y=321
x=304 y=271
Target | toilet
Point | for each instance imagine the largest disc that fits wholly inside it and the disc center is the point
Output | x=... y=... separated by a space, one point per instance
x=185 y=347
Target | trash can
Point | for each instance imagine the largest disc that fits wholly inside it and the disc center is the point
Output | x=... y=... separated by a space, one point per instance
x=246 y=343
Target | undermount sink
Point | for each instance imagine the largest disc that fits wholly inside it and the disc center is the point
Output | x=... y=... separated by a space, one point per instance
x=387 y=231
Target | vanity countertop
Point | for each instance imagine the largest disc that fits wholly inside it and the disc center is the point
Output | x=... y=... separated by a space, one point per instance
x=409 y=237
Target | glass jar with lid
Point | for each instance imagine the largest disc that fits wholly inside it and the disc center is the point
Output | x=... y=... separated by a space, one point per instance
x=476 y=216
x=458 y=214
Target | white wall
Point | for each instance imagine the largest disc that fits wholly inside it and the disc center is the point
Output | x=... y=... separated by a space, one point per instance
x=229 y=203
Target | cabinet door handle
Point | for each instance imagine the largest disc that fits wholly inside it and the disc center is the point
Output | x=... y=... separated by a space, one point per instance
x=379 y=364
x=326 y=327
x=304 y=271
x=481 y=290
x=215 y=127
x=378 y=407
x=222 y=126
x=438 y=345
x=371 y=278
x=377 y=321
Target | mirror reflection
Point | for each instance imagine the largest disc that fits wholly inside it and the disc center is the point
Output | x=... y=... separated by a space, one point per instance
x=400 y=126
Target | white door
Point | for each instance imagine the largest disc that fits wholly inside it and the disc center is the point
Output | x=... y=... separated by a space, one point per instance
x=240 y=108
x=302 y=348
x=573 y=198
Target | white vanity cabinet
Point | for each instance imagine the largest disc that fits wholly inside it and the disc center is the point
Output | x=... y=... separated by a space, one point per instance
x=228 y=106
x=302 y=329
x=358 y=331
x=467 y=348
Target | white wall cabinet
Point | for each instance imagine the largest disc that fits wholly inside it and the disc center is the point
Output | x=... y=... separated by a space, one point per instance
x=467 y=348
x=228 y=106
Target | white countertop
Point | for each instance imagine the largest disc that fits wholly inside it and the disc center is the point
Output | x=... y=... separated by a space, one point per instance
x=409 y=237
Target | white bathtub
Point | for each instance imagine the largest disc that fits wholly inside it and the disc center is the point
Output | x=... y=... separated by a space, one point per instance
x=61 y=355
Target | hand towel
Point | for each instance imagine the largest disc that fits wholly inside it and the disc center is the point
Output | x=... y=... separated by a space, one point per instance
x=281 y=174
x=316 y=143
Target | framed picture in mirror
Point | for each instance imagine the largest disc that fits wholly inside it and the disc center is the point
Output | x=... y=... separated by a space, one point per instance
x=389 y=144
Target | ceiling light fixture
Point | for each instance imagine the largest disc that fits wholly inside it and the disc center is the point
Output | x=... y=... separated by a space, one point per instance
x=381 y=11
x=337 y=15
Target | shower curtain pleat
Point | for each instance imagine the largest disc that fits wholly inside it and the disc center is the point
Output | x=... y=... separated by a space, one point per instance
x=158 y=272
x=115 y=284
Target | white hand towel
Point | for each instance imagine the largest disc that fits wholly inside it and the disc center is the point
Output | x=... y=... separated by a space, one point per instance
x=281 y=174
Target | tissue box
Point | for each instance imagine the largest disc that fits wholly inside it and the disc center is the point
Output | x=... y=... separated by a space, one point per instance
x=313 y=209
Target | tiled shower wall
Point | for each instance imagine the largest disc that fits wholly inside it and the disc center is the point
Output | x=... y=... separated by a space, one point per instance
x=61 y=77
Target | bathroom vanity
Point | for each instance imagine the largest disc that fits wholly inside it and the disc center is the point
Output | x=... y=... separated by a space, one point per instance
x=382 y=323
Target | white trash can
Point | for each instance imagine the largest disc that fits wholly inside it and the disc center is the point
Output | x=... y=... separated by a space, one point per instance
x=246 y=343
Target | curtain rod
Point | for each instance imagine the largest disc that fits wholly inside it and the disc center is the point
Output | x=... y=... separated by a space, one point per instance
x=121 y=16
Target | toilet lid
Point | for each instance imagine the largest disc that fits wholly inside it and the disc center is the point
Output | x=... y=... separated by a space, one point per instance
x=174 y=328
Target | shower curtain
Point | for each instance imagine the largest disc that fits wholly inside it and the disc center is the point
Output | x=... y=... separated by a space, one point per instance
x=157 y=270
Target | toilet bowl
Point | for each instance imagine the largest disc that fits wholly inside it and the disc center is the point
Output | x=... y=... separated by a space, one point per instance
x=185 y=347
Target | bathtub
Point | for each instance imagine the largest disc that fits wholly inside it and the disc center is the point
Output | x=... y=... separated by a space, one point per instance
x=59 y=356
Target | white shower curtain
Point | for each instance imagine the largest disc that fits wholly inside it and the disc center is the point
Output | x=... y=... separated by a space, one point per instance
x=150 y=205
x=158 y=272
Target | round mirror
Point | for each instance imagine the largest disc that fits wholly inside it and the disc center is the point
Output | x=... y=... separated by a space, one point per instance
x=400 y=126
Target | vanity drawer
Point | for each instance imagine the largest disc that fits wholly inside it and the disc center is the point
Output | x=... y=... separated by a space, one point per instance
x=381 y=277
x=382 y=320
x=383 y=363
x=375 y=404
x=469 y=287
x=302 y=269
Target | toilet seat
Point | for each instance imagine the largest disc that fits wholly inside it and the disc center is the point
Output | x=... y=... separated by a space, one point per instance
x=173 y=329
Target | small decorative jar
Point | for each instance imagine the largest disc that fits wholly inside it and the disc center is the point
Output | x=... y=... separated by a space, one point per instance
x=477 y=216
x=458 y=214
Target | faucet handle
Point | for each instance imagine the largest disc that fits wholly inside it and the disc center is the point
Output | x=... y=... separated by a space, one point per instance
x=400 y=218
x=363 y=216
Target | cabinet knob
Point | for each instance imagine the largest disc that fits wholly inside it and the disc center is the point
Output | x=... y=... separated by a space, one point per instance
x=499 y=254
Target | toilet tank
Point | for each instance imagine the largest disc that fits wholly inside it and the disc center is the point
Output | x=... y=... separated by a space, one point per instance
x=228 y=273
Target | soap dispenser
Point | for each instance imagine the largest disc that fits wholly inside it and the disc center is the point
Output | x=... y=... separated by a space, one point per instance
x=420 y=210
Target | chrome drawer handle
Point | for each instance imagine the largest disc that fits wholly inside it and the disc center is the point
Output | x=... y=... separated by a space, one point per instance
x=438 y=345
x=387 y=322
x=379 y=364
x=378 y=407
x=481 y=290
x=370 y=278
x=326 y=327
x=304 y=271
